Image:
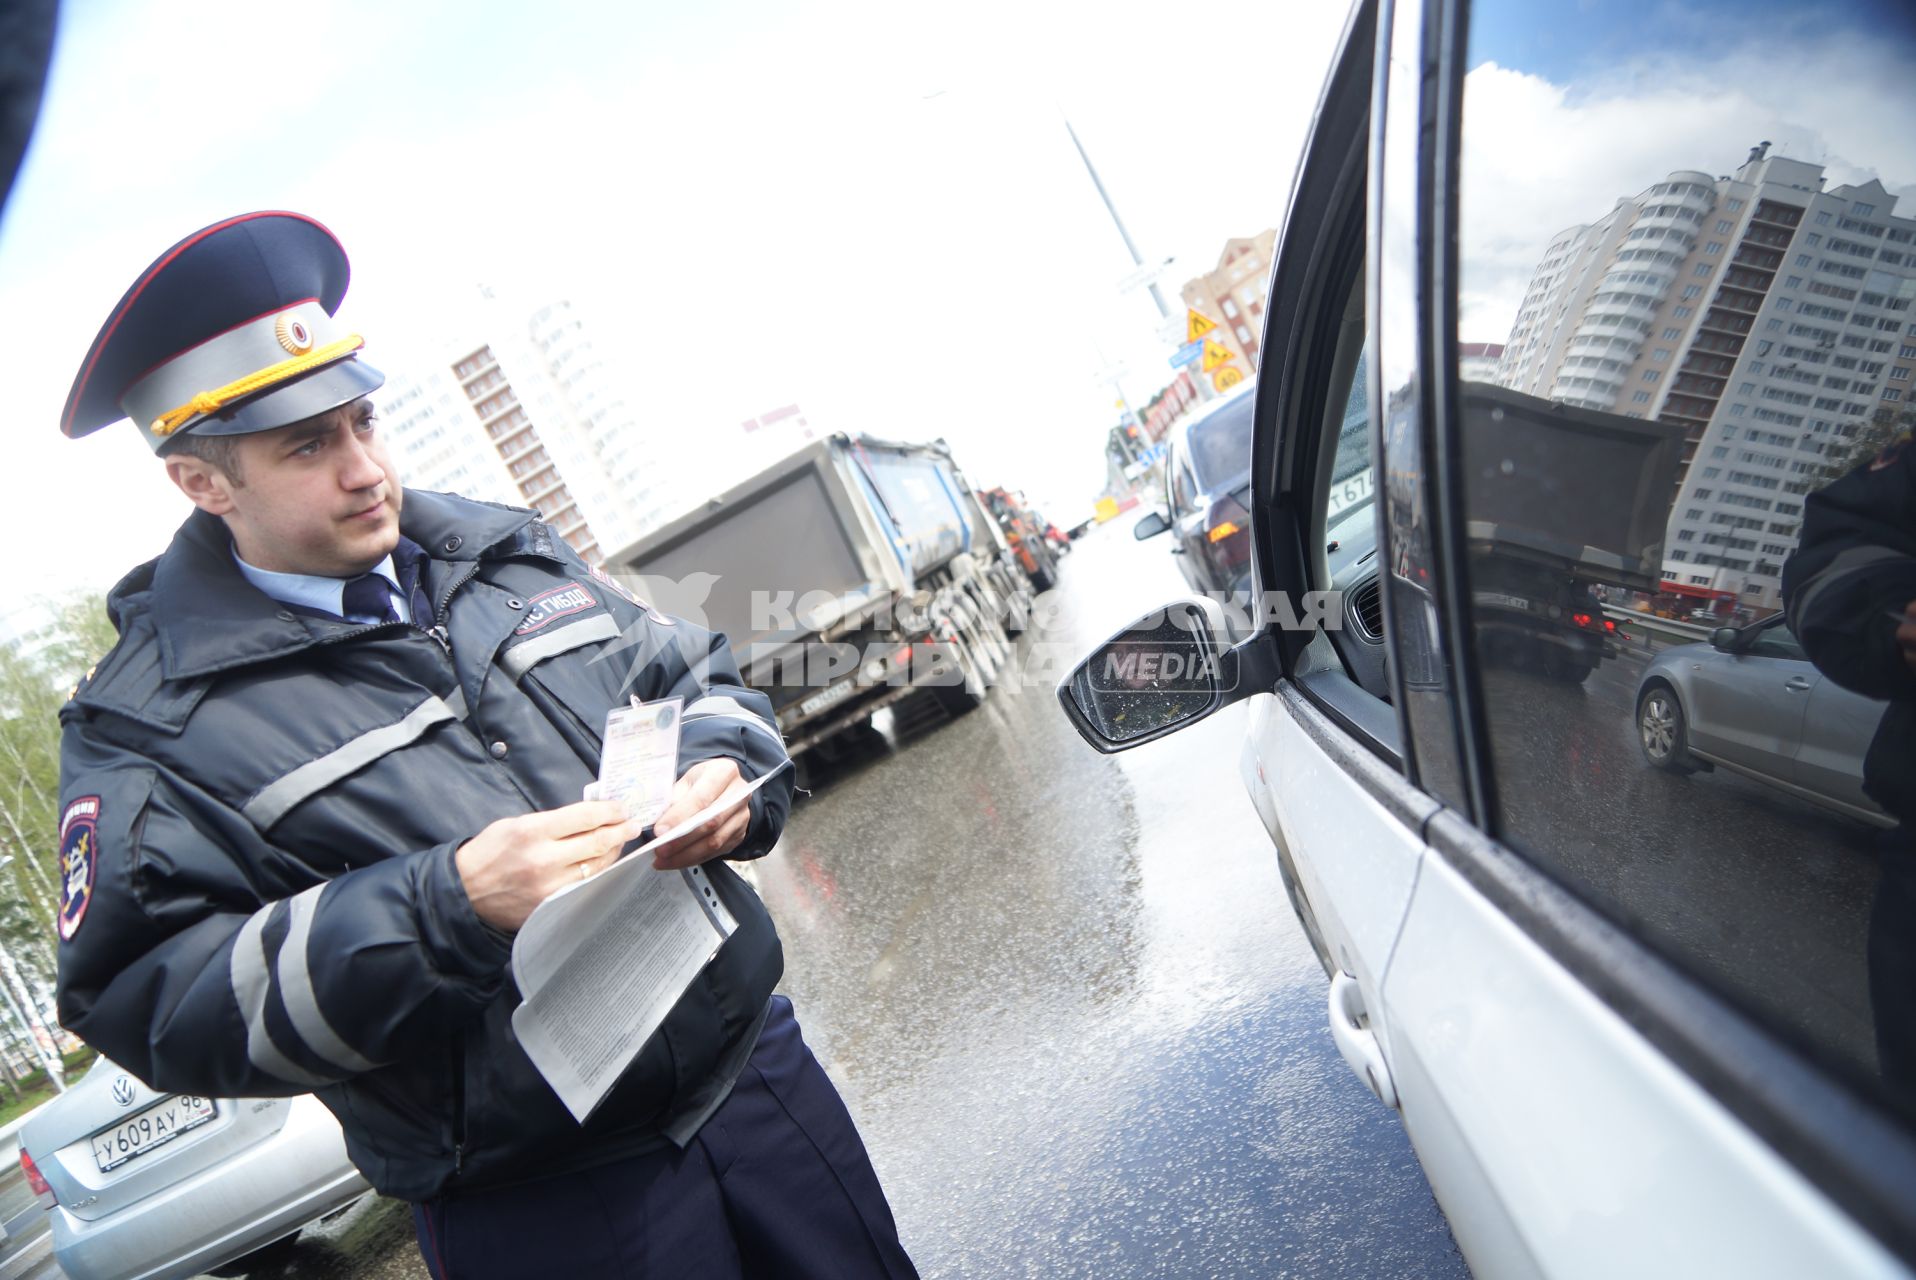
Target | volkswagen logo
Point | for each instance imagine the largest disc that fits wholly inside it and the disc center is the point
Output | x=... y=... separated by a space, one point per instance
x=123 y=1091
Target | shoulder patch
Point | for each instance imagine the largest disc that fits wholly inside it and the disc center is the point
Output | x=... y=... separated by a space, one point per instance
x=79 y=862
x=556 y=603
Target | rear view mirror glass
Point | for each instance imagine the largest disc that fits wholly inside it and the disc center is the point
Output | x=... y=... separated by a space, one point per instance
x=1724 y=638
x=1152 y=678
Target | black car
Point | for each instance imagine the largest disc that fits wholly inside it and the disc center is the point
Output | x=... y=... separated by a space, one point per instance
x=1207 y=481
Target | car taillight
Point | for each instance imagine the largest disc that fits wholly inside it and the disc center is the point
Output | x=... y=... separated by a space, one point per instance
x=1609 y=624
x=35 y=1183
x=1581 y=619
x=1227 y=527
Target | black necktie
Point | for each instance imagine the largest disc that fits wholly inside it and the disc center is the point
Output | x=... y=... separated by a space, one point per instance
x=369 y=596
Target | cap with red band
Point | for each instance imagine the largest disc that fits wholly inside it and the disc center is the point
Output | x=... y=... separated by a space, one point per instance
x=230 y=331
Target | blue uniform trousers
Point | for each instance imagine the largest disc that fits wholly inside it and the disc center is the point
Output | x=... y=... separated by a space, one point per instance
x=776 y=1184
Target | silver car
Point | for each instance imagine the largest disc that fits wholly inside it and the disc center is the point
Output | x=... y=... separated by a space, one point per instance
x=1750 y=701
x=149 y=1185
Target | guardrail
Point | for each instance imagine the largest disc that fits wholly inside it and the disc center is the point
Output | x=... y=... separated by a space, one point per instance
x=1658 y=633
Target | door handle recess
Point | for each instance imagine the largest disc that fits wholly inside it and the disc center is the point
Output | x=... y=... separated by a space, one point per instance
x=1350 y=1031
x=1796 y=684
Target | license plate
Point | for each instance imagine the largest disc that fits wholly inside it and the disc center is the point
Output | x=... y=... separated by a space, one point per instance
x=1504 y=601
x=1350 y=492
x=158 y=1124
x=829 y=698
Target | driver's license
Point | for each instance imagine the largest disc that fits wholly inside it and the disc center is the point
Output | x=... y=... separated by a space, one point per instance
x=641 y=757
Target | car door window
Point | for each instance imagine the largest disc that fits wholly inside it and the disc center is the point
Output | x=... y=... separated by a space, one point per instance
x=1777 y=642
x=1671 y=336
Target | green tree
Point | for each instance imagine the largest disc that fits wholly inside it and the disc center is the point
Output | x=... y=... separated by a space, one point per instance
x=32 y=691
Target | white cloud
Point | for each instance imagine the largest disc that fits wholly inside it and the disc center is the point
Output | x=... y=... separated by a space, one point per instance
x=1540 y=157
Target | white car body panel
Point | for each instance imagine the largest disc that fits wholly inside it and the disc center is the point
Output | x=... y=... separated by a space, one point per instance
x=1638 y=1171
x=1355 y=859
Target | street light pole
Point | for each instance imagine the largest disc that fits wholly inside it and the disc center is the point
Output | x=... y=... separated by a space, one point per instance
x=1137 y=259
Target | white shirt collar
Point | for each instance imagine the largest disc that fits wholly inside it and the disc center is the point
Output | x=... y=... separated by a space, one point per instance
x=316 y=591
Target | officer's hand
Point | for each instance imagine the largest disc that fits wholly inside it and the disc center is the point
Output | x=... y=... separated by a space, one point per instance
x=1906 y=635
x=517 y=863
x=700 y=785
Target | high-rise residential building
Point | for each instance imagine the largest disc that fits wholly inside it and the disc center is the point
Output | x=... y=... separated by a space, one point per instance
x=1233 y=294
x=523 y=411
x=1767 y=315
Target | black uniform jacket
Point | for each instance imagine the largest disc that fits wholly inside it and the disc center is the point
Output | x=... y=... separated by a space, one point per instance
x=1856 y=564
x=270 y=906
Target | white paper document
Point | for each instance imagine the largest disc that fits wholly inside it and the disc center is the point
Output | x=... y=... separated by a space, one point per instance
x=600 y=963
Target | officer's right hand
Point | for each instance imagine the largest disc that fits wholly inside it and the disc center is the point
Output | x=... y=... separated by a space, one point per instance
x=517 y=863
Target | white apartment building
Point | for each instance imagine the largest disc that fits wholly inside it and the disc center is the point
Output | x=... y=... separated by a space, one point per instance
x=1765 y=314
x=523 y=411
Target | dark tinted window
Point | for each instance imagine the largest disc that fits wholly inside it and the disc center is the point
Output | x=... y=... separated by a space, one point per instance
x=1687 y=269
x=1220 y=445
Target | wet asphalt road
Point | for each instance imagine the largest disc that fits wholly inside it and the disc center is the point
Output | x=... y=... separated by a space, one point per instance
x=1066 y=1000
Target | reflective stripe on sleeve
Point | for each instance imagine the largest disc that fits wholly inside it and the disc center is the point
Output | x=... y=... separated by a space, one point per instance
x=718 y=706
x=251 y=985
x=1844 y=564
x=297 y=994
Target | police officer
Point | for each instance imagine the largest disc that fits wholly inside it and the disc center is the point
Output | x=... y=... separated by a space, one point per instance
x=334 y=762
x=1850 y=591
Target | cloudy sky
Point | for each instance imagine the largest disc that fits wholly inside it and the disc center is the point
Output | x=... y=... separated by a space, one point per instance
x=871 y=209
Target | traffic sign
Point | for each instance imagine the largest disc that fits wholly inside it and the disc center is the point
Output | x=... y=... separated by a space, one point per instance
x=1217 y=355
x=1196 y=324
x=1226 y=378
x=1187 y=354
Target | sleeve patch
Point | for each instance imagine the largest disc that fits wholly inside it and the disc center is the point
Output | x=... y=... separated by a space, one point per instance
x=79 y=862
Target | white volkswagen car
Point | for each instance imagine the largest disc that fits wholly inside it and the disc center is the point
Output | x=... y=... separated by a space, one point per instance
x=1588 y=329
x=151 y=1186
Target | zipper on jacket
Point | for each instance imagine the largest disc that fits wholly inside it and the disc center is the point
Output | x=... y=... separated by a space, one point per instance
x=466 y=573
x=458 y=1103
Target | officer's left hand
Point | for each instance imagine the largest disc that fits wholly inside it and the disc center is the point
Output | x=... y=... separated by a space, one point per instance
x=699 y=786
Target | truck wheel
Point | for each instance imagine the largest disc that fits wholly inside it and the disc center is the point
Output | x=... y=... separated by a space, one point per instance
x=1661 y=730
x=1570 y=670
x=969 y=693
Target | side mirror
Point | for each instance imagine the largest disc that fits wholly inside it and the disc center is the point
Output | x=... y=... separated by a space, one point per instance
x=1169 y=669
x=1151 y=526
x=1724 y=638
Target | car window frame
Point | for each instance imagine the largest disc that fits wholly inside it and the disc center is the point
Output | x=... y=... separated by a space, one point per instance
x=1319 y=255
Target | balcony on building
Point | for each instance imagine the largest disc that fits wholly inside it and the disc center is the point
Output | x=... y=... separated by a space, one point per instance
x=1721 y=320
x=1776 y=214
x=1621 y=305
x=1604 y=346
x=1701 y=384
x=1738 y=300
x=1709 y=365
x=1757 y=258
